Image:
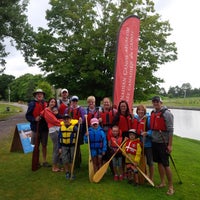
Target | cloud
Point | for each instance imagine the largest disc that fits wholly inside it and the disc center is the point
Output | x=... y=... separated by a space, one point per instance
x=183 y=17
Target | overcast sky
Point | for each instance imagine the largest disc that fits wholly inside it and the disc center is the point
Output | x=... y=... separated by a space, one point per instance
x=183 y=17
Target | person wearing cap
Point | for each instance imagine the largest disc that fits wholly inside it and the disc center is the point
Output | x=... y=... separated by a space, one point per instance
x=53 y=123
x=63 y=102
x=132 y=148
x=77 y=112
x=162 y=126
x=98 y=143
x=35 y=107
x=67 y=138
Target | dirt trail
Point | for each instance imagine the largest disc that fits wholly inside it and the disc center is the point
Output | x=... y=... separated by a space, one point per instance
x=7 y=126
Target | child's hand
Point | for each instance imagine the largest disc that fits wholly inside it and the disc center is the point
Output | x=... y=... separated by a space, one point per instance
x=103 y=153
x=60 y=151
x=86 y=133
x=144 y=134
x=80 y=120
x=100 y=120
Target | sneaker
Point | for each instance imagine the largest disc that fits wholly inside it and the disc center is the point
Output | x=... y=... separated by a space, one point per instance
x=67 y=175
x=46 y=164
x=116 y=178
x=125 y=176
x=72 y=177
x=121 y=177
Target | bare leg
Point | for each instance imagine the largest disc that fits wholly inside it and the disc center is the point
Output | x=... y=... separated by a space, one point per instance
x=151 y=172
x=161 y=170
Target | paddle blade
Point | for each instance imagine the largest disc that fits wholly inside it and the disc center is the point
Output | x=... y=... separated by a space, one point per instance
x=100 y=173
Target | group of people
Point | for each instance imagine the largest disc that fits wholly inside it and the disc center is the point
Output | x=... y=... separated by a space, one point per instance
x=109 y=131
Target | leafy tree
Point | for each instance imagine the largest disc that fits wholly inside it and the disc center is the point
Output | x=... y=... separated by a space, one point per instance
x=23 y=87
x=4 y=81
x=77 y=50
x=15 y=27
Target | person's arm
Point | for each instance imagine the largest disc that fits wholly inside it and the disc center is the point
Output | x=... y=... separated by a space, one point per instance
x=29 y=112
x=51 y=118
x=104 y=149
x=138 y=154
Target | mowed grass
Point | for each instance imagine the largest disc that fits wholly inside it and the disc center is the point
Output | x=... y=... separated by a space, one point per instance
x=20 y=183
x=7 y=110
x=189 y=102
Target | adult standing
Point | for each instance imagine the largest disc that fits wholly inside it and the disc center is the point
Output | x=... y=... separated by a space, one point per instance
x=63 y=102
x=123 y=118
x=92 y=111
x=162 y=126
x=142 y=126
x=107 y=114
x=54 y=127
x=35 y=107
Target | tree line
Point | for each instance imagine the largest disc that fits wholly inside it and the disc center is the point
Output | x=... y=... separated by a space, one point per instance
x=21 y=89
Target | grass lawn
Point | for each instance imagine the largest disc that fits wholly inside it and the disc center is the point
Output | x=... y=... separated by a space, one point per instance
x=19 y=182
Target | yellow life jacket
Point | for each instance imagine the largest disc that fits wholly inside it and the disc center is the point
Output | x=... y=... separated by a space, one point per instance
x=68 y=136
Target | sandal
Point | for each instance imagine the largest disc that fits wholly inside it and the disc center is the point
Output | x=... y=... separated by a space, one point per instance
x=170 y=191
x=160 y=186
x=55 y=170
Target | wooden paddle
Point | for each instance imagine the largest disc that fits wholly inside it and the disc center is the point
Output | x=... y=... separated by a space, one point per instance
x=142 y=163
x=36 y=151
x=100 y=173
x=90 y=163
x=145 y=176
x=75 y=148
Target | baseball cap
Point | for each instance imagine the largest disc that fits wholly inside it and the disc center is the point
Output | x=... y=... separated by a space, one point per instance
x=74 y=98
x=94 y=121
x=132 y=131
x=157 y=98
x=64 y=90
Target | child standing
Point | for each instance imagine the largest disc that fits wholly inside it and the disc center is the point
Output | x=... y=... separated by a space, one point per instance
x=98 y=143
x=117 y=160
x=67 y=138
x=133 y=149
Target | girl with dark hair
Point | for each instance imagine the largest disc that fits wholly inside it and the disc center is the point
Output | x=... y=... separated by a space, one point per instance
x=49 y=113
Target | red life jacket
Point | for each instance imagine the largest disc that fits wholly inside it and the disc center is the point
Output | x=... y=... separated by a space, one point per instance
x=90 y=115
x=157 y=121
x=74 y=112
x=107 y=117
x=113 y=145
x=125 y=123
x=131 y=146
x=62 y=108
x=140 y=125
x=39 y=107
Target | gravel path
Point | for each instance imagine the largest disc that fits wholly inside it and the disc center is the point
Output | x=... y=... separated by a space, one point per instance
x=7 y=126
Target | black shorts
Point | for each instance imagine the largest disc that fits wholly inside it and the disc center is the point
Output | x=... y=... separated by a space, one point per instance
x=149 y=156
x=160 y=154
x=43 y=137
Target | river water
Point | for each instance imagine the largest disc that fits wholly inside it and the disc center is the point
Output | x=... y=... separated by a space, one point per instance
x=186 y=123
